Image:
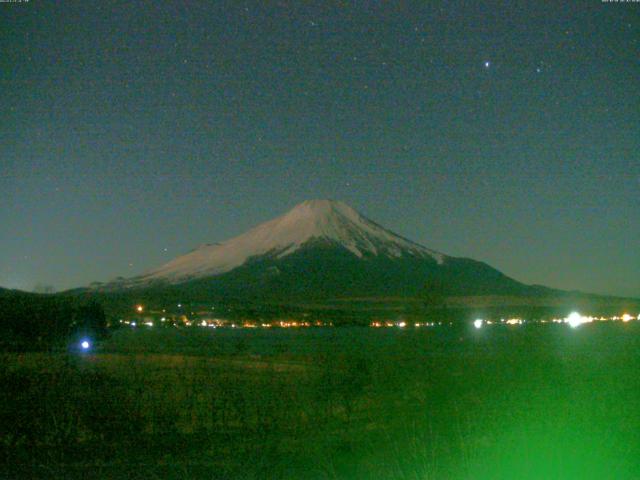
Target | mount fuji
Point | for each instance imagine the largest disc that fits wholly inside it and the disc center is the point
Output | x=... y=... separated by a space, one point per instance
x=325 y=221
x=320 y=249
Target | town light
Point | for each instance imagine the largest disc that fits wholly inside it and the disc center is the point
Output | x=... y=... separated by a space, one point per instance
x=139 y=308
x=477 y=323
x=575 y=319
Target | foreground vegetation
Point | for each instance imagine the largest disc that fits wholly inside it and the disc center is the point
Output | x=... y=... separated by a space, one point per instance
x=349 y=403
x=39 y=322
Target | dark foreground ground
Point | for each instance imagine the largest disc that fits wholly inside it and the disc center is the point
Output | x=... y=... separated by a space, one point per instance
x=534 y=402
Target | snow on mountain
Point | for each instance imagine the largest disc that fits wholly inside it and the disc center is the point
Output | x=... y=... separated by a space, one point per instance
x=326 y=220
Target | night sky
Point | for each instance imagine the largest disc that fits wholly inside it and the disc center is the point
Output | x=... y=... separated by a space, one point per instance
x=509 y=132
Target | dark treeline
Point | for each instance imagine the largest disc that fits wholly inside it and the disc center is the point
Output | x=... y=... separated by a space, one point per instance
x=33 y=321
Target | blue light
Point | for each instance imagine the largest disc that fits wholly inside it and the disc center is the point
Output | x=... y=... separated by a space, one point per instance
x=85 y=345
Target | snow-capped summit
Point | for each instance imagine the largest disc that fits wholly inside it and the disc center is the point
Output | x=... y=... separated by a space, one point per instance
x=318 y=220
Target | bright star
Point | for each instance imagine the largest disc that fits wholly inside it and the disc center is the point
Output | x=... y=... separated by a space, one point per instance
x=487 y=64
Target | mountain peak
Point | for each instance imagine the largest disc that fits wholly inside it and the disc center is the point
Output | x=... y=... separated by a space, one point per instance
x=318 y=217
x=330 y=221
x=322 y=208
x=322 y=205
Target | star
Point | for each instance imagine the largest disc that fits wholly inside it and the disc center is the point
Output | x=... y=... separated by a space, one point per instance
x=487 y=64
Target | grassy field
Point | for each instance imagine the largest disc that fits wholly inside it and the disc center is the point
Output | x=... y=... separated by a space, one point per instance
x=529 y=402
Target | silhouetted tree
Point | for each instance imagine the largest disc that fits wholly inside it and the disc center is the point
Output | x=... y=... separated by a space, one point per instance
x=90 y=318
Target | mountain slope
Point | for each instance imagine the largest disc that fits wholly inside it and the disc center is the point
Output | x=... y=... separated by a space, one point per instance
x=322 y=269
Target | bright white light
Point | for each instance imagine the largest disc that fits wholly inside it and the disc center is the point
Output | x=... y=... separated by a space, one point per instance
x=626 y=317
x=575 y=319
x=402 y=324
x=487 y=64
x=477 y=323
x=85 y=345
x=133 y=324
